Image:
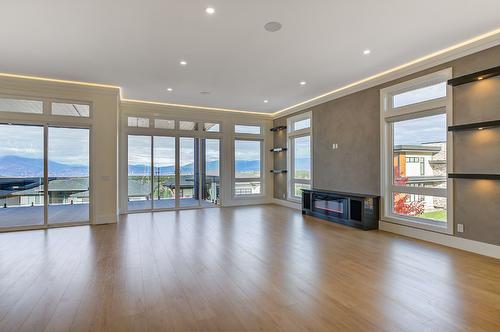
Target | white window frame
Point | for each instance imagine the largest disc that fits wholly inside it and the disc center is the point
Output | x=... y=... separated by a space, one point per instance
x=291 y=135
x=247 y=125
x=75 y=102
x=389 y=115
x=249 y=137
x=47 y=120
x=177 y=133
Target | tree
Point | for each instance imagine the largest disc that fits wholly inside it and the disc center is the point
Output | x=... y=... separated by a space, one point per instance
x=402 y=204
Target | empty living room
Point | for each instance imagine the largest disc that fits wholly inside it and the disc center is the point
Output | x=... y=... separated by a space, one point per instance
x=229 y=165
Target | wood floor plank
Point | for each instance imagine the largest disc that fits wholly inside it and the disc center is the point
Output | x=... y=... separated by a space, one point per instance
x=255 y=268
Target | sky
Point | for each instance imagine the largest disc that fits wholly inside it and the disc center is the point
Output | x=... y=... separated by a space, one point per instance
x=66 y=145
x=422 y=130
x=139 y=150
x=420 y=95
x=247 y=150
x=302 y=152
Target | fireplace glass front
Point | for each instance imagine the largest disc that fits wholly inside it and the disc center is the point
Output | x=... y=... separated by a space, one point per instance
x=330 y=205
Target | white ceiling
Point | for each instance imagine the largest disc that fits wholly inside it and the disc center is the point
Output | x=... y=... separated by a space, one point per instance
x=138 y=44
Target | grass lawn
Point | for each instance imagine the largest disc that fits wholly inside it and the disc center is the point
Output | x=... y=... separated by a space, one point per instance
x=435 y=215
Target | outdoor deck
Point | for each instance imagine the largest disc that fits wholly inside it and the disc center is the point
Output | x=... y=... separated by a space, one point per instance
x=17 y=216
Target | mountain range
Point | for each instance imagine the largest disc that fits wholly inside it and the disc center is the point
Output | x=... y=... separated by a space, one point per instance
x=15 y=166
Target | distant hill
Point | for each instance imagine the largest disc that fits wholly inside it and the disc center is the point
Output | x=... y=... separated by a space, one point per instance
x=14 y=166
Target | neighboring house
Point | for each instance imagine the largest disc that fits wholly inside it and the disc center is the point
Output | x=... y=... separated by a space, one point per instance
x=422 y=165
x=29 y=191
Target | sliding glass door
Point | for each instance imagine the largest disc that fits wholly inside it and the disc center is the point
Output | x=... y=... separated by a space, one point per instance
x=189 y=172
x=68 y=175
x=32 y=156
x=168 y=172
x=164 y=186
x=21 y=176
x=139 y=172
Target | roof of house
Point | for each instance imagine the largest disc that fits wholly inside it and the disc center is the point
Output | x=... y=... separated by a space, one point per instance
x=417 y=148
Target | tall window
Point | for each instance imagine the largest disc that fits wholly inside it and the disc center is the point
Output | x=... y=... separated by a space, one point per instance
x=247 y=167
x=299 y=142
x=414 y=130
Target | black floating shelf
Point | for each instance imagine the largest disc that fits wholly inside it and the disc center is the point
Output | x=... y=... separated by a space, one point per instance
x=278 y=149
x=477 y=125
x=474 y=77
x=474 y=176
x=278 y=171
x=278 y=128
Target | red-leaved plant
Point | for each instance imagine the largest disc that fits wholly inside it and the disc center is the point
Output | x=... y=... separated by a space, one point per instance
x=401 y=200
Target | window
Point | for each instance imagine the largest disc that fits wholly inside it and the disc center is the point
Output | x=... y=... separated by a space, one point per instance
x=164 y=124
x=248 y=167
x=301 y=124
x=68 y=175
x=68 y=109
x=415 y=185
x=211 y=127
x=138 y=122
x=299 y=155
x=139 y=172
x=22 y=175
x=188 y=125
x=419 y=95
x=419 y=151
x=21 y=106
x=44 y=175
x=247 y=129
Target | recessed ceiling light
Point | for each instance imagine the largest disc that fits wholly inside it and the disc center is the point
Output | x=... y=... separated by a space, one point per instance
x=170 y=89
x=272 y=26
x=210 y=10
x=303 y=83
x=266 y=101
x=366 y=52
x=183 y=62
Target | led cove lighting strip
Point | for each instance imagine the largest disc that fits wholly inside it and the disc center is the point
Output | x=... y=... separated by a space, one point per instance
x=191 y=106
x=37 y=78
x=367 y=79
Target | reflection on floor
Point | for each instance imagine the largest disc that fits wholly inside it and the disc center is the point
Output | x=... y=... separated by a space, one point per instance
x=255 y=268
x=166 y=204
x=17 y=216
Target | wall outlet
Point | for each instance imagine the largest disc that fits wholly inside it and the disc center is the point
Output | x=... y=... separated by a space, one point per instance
x=284 y=196
x=460 y=228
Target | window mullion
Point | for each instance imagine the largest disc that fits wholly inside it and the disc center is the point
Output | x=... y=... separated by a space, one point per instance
x=441 y=192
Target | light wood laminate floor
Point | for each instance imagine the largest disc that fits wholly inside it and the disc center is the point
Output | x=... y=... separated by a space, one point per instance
x=257 y=268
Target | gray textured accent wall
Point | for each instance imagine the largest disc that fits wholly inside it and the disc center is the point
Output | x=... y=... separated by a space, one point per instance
x=353 y=122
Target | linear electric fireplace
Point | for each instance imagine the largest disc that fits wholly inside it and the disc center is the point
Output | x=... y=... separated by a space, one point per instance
x=360 y=211
x=330 y=205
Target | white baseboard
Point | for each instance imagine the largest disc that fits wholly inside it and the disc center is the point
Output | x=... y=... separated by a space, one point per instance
x=289 y=204
x=481 y=248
